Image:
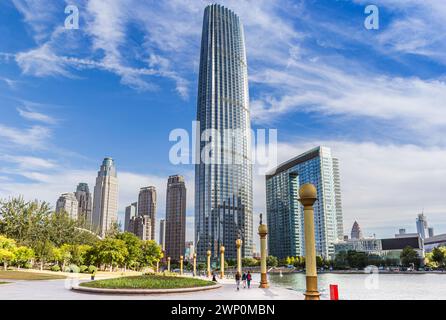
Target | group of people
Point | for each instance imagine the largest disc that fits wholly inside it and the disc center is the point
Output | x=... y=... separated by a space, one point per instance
x=246 y=278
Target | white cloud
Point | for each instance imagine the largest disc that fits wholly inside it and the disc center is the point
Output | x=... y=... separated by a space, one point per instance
x=32 y=115
x=27 y=162
x=34 y=137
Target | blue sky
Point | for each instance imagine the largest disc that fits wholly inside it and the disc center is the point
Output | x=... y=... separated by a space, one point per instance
x=128 y=76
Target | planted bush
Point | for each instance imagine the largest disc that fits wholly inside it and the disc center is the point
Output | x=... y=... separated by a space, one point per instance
x=92 y=269
x=73 y=268
x=55 y=268
x=83 y=269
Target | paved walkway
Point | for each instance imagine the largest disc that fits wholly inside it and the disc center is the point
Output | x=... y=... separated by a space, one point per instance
x=59 y=290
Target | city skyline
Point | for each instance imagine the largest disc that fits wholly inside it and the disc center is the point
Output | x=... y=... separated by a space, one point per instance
x=384 y=153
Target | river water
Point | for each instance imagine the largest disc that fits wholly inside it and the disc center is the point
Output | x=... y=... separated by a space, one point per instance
x=371 y=286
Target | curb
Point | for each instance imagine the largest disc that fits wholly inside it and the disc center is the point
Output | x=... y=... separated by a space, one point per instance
x=143 y=291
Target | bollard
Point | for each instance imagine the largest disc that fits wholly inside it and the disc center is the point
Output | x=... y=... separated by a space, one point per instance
x=307 y=196
x=168 y=264
x=195 y=265
x=208 y=253
x=334 y=294
x=181 y=265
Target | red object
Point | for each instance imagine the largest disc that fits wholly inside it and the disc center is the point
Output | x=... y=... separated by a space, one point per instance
x=334 y=294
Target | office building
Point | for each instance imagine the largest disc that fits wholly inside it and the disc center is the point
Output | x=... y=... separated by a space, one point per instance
x=223 y=179
x=175 y=217
x=285 y=213
x=67 y=203
x=85 y=203
x=356 y=231
x=163 y=234
x=430 y=232
x=141 y=226
x=338 y=199
x=130 y=212
x=147 y=207
x=105 y=201
x=421 y=223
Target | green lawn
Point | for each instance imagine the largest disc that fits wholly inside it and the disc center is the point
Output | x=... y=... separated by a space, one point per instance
x=22 y=275
x=3 y=282
x=148 y=282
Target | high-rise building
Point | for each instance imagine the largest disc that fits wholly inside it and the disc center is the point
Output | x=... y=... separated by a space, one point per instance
x=105 y=202
x=141 y=226
x=356 y=231
x=67 y=203
x=175 y=217
x=130 y=212
x=338 y=199
x=223 y=177
x=163 y=234
x=430 y=231
x=147 y=207
x=285 y=214
x=421 y=223
x=85 y=202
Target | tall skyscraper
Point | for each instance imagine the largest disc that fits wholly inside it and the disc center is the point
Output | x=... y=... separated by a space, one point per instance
x=356 y=231
x=285 y=213
x=338 y=199
x=147 y=207
x=430 y=232
x=105 y=202
x=223 y=181
x=130 y=212
x=67 y=203
x=175 y=217
x=84 y=200
x=163 y=234
x=421 y=223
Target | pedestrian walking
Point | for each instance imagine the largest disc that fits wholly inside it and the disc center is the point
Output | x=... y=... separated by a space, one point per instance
x=244 y=280
x=248 y=279
x=213 y=277
x=237 y=280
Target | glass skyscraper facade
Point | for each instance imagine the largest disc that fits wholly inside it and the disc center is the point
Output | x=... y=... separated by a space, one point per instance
x=223 y=183
x=285 y=213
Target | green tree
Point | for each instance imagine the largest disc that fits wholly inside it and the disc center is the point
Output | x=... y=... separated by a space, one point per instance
x=151 y=253
x=44 y=252
x=111 y=252
x=7 y=248
x=22 y=256
x=409 y=256
x=249 y=262
x=438 y=255
x=134 y=248
x=272 y=261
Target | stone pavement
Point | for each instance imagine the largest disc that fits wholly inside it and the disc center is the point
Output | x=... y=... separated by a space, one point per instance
x=59 y=290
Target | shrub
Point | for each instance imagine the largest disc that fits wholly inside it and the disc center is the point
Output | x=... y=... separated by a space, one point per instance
x=55 y=268
x=27 y=265
x=92 y=269
x=73 y=268
x=83 y=269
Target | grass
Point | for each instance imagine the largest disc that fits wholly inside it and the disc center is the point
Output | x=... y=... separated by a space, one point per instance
x=23 y=275
x=3 y=282
x=148 y=282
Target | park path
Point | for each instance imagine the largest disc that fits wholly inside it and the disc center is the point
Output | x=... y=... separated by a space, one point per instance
x=59 y=290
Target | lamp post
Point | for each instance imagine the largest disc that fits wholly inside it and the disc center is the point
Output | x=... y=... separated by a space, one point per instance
x=263 y=231
x=222 y=262
x=307 y=196
x=238 y=244
x=181 y=265
x=208 y=253
x=195 y=264
x=168 y=264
